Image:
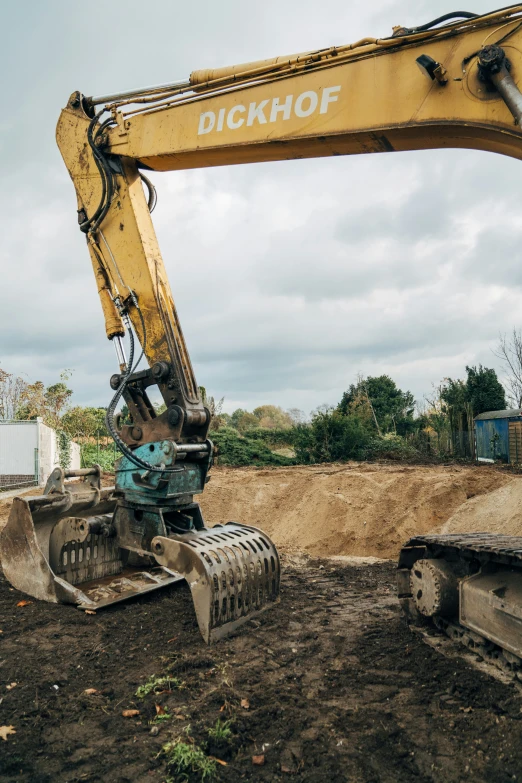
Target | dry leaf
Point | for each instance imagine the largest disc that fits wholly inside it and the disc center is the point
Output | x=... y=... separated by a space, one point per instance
x=5 y=731
x=24 y=603
x=258 y=760
x=130 y=713
x=11 y=686
x=219 y=761
x=245 y=704
x=160 y=710
x=90 y=691
x=89 y=611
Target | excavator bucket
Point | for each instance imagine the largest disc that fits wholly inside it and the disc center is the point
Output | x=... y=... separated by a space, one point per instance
x=64 y=547
x=233 y=572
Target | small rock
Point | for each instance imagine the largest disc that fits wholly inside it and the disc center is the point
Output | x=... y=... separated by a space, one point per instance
x=154 y=731
x=258 y=761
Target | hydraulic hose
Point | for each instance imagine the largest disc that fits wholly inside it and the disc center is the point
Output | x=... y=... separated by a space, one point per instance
x=109 y=418
x=444 y=18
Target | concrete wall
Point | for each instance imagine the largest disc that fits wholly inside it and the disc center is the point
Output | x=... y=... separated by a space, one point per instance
x=29 y=452
x=18 y=453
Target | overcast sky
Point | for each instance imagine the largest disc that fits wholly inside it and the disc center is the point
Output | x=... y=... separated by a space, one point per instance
x=312 y=271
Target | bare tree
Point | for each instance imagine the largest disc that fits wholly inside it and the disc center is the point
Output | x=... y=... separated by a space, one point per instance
x=215 y=407
x=12 y=389
x=297 y=416
x=509 y=351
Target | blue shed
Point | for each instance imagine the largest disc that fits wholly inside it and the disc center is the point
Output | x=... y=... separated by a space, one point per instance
x=498 y=436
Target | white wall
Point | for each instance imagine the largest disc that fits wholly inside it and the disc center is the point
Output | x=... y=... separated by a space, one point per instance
x=47 y=457
x=18 y=442
x=75 y=456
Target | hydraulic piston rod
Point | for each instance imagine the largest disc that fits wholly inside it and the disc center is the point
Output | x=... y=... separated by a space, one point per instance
x=119 y=96
x=494 y=67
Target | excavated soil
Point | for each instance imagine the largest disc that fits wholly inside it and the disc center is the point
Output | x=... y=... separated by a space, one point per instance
x=356 y=508
x=497 y=512
x=329 y=685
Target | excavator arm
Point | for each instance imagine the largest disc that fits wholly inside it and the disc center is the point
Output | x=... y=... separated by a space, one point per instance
x=370 y=96
x=448 y=83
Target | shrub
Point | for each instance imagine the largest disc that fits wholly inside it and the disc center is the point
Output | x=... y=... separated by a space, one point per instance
x=330 y=437
x=389 y=447
x=104 y=456
x=237 y=450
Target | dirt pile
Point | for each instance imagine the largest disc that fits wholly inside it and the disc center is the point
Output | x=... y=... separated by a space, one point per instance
x=498 y=512
x=353 y=509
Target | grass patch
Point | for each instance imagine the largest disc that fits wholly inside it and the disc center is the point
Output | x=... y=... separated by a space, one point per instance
x=161 y=718
x=157 y=684
x=187 y=758
x=221 y=731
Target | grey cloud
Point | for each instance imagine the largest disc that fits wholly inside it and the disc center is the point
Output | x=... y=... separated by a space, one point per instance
x=307 y=271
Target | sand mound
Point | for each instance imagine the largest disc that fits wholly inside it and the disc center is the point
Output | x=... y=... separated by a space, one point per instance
x=355 y=509
x=498 y=512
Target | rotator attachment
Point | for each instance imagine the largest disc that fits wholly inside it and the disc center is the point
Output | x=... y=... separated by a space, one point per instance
x=233 y=572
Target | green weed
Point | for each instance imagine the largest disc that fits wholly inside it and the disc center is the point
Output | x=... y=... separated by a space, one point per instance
x=221 y=730
x=156 y=684
x=185 y=758
x=161 y=718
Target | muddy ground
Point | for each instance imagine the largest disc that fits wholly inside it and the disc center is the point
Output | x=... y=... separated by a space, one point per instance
x=328 y=686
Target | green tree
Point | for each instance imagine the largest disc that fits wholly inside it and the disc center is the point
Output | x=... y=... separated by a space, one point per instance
x=243 y=420
x=380 y=399
x=484 y=390
x=47 y=402
x=272 y=417
x=463 y=400
x=80 y=422
x=330 y=437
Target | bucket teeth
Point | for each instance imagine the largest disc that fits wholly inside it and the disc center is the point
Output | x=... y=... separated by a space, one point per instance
x=233 y=572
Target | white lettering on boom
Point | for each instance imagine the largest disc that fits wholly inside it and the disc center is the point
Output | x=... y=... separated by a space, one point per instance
x=285 y=109
x=300 y=104
x=281 y=109
x=256 y=112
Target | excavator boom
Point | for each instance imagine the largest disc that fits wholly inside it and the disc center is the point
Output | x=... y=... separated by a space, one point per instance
x=449 y=83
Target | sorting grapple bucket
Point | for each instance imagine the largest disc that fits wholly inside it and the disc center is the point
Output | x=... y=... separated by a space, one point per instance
x=70 y=546
x=232 y=570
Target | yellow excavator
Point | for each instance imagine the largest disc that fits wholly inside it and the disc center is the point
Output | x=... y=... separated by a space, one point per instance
x=452 y=82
